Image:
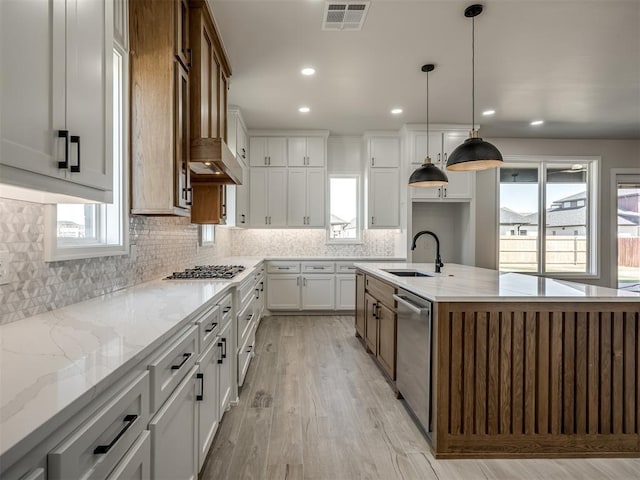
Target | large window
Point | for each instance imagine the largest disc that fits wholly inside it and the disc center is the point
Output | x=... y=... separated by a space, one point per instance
x=344 y=209
x=547 y=216
x=93 y=230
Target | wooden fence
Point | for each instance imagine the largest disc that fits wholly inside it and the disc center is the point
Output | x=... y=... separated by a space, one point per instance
x=629 y=252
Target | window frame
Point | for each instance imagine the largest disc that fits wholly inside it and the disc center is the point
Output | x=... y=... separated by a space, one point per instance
x=541 y=162
x=359 y=240
x=54 y=250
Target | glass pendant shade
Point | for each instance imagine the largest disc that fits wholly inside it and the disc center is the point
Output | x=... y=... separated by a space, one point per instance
x=474 y=154
x=428 y=175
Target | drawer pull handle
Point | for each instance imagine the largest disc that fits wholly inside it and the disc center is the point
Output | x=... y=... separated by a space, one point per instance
x=222 y=344
x=102 y=449
x=283 y=268
x=185 y=357
x=262 y=286
x=75 y=139
x=200 y=376
x=226 y=309
x=64 y=134
x=211 y=327
x=318 y=268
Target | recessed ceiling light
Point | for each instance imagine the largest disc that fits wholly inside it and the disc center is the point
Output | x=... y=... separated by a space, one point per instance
x=486 y=113
x=308 y=71
x=535 y=123
x=304 y=109
x=396 y=111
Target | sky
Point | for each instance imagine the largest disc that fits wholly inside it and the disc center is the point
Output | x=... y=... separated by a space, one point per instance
x=523 y=198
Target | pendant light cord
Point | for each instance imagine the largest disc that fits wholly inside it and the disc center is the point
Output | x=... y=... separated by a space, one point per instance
x=473 y=73
x=427 y=114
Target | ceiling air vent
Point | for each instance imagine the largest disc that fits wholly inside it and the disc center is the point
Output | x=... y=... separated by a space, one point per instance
x=344 y=15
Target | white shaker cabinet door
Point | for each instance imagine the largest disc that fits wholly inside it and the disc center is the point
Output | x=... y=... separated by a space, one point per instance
x=345 y=292
x=277 y=197
x=316 y=152
x=421 y=150
x=384 y=198
x=318 y=292
x=297 y=191
x=283 y=292
x=259 y=216
x=225 y=369
x=277 y=151
x=316 y=197
x=460 y=185
x=208 y=400
x=258 y=151
x=384 y=152
x=297 y=151
x=136 y=464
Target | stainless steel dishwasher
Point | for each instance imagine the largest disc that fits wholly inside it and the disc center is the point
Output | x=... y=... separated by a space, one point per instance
x=413 y=369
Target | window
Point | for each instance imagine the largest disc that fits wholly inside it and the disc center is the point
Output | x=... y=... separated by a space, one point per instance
x=550 y=203
x=344 y=209
x=95 y=230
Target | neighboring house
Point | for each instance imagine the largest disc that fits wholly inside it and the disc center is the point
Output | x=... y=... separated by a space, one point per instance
x=568 y=216
x=70 y=230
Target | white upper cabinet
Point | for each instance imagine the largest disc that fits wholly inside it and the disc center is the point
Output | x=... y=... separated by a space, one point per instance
x=268 y=197
x=427 y=144
x=237 y=138
x=384 y=152
x=306 y=194
x=268 y=151
x=57 y=105
x=384 y=198
x=306 y=151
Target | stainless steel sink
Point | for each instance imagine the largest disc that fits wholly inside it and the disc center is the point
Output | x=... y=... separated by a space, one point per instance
x=407 y=273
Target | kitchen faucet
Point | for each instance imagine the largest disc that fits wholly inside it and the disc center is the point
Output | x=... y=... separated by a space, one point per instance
x=439 y=263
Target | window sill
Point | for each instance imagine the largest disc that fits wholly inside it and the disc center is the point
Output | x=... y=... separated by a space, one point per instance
x=344 y=242
x=79 y=253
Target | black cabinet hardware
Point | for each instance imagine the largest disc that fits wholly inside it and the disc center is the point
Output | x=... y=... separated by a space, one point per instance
x=76 y=139
x=64 y=134
x=128 y=420
x=226 y=309
x=185 y=357
x=200 y=376
x=211 y=327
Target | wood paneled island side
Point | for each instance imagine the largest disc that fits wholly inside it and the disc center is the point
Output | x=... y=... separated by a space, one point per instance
x=528 y=367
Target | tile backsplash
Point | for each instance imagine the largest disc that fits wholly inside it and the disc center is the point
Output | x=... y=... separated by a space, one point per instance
x=163 y=245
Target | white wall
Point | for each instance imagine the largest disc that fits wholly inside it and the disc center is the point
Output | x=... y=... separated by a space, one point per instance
x=344 y=155
x=614 y=154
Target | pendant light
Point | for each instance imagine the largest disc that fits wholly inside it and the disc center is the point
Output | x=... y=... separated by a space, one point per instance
x=474 y=153
x=428 y=175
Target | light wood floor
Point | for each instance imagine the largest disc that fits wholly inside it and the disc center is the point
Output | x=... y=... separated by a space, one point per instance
x=315 y=406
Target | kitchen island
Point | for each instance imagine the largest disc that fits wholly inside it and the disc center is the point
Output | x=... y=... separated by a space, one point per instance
x=521 y=366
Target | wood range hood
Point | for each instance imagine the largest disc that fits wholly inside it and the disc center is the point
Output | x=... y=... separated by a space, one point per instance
x=212 y=162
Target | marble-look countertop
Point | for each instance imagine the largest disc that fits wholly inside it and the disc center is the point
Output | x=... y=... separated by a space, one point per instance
x=50 y=361
x=461 y=283
x=339 y=259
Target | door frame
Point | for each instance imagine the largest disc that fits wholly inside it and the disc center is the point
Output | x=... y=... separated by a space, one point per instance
x=613 y=209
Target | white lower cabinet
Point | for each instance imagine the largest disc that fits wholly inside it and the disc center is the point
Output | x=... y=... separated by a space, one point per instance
x=208 y=377
x=37 y=474
x=95 y=448
x=318 y=292
x=136 y=464
x=283 y=292
x=174 y=434
x=345 y=292
x=225 y=372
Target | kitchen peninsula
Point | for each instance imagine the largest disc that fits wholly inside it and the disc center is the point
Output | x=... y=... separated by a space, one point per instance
x=521 y=366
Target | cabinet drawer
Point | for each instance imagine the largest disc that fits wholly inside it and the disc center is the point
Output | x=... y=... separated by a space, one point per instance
x=283 y=267
x=345 y=267
x=244 y=356
x=245 y=321
x=226 y=310
x=318 y=267
x=136 y=464
x=168 y=369
x=208 y=326
x=98 y=445
x=381 y=291
x=246 y=290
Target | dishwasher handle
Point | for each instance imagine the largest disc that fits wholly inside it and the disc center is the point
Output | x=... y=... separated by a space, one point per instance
x=419 y=309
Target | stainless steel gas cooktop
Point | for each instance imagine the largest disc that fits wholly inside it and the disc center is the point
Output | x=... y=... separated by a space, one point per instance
x=207 y=271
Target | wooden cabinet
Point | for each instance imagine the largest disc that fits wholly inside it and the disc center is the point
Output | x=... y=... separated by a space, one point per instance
x=56 y=122
x=268 y=151
x=159 y=111
x=306 y=193
x=209 y=203
x=306 y=151
x=371 y=323
x=174 y=433
x=387 y=339
x=383 y=206
x=268 y=197
x=376 y=320
x=361 y=320
x=181 y=41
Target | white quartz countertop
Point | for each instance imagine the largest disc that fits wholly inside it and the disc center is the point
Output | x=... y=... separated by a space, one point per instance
x=461 y=283
x=340 y=259
x=51 y=360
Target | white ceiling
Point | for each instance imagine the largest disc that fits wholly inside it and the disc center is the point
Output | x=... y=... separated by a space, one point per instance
x=575 y=64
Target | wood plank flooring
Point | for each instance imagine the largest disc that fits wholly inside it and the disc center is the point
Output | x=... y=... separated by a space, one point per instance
x=315 y=406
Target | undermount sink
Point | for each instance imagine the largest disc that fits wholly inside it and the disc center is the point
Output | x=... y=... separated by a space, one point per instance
x=407 y=273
